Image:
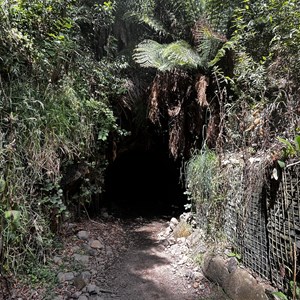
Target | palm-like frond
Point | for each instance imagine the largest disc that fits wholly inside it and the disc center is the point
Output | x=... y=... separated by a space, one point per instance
x=166 y=56
x=142 y=12
x=207 y=39
x=166 y=17
x=147 y=54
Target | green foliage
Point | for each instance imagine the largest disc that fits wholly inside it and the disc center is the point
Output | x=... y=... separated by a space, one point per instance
x=291 y=294
x=166 y=57
x=290 y=150
x=41 y=274
x=175 y=19
x=172 y=18
x=236 y=255
x=202 y=177
x=55 y=100
x=204 y=190
x=280 y=295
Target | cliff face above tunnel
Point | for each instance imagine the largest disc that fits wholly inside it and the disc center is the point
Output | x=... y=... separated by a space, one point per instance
x=144 y=183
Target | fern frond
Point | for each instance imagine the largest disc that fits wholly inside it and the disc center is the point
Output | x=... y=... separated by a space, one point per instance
x=147 y=54
x=166 y=56
x=180 y=53
x=207 y=39
x=142 y=12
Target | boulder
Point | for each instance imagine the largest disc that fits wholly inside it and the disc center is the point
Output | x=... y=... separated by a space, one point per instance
x=215 y=269
x=241 y=285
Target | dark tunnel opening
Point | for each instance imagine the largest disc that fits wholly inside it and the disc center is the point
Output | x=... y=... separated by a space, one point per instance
x=144 y=183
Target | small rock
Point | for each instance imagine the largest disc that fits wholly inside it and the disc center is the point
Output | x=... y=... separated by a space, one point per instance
x=95 y=297
x=58 y=298
x=174 y=221
x=182 y=261
x=96 y=244
x=92 y=289
x=81 y=258
x=89 y=250
x=76 y=295
x=80 y=282
x=60 y=277
x=57 y=260
x=105 y=215
x=75 y=249
x=181 y=240
x=86 y=275
x=83 y=297
x=168 y=231
x=69 y=276
x=83 y=235
x=171 y=240
x=189 y=275
x=232 y=264
x=198 y=276
x=196 y=285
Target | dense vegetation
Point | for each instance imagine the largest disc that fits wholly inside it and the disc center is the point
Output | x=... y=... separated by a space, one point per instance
x=221 y=73
x=55 y=93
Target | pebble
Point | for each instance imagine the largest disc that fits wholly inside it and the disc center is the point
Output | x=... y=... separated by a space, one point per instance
x=81 y=258
x=96 y=244
x=57 y=260
x=80 y=282
x=83 y=235
x=62 y=277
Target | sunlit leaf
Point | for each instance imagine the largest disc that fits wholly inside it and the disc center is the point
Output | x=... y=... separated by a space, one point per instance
x=12 y=214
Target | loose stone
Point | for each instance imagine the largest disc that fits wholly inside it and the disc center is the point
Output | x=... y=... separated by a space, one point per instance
x=83 y=235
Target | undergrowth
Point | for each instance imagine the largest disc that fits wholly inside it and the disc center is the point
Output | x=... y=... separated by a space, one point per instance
x=203 y=187
x=55 y=112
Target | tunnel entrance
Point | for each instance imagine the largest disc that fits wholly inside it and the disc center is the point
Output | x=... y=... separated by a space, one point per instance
x=144 y=183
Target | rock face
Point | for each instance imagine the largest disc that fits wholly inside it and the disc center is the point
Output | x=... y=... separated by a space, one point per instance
x=238 y=284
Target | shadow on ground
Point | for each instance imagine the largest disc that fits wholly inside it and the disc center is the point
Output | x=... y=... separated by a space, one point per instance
x=145 y=272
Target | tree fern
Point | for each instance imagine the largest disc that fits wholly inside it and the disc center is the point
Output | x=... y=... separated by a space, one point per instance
x=167 y=56
x=142 y=12
x=166 y=17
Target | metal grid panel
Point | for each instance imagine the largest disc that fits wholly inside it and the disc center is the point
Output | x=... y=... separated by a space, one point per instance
x=263 y=225
x=251 y=240
x=284 y=226
x=234 y=196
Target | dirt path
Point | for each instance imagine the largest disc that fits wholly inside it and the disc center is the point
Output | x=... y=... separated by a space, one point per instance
x=149 y=271
x=133 y=260
x=145 y=272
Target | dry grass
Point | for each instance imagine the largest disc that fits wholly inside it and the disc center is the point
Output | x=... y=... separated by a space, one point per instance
x=183 y=229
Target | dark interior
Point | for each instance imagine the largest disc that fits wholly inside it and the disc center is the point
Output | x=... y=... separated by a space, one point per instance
x=144 y=183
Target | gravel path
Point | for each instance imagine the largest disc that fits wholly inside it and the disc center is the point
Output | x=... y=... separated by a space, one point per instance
x=133 y=260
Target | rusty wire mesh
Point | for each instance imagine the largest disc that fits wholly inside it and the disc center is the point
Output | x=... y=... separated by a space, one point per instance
x=261 y=217
x=246 y=217
x=284 y=227
x=263 y=220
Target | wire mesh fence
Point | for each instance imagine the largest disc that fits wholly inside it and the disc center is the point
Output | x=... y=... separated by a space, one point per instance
x=268 y=225
x=262 y=218
x=284 y=227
